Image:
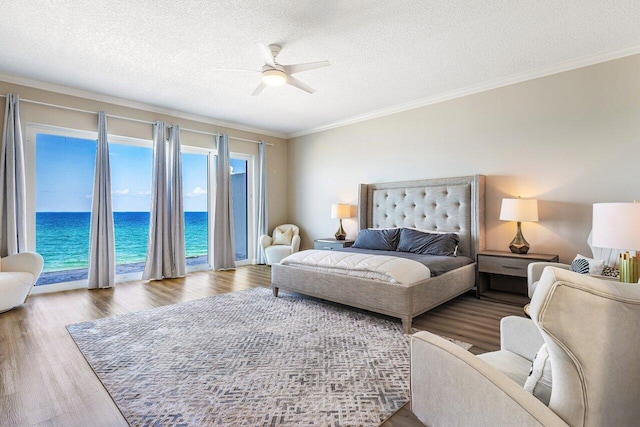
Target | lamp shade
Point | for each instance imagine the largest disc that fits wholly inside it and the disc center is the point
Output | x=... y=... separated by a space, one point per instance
x=339 y=210
x=519 y=210
x=616 y=226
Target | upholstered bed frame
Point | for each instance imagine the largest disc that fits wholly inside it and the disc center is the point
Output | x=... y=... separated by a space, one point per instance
x=445 y=204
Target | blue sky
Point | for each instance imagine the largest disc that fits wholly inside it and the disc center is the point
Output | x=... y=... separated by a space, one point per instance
x=64 y=176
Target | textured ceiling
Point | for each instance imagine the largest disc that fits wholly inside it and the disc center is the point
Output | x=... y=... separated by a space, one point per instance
x=383 y=53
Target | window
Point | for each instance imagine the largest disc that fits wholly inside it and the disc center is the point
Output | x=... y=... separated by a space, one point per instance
x=65 y=161
x=195 y=184
x=64 y=184
x=239 y=200
x=131 y=169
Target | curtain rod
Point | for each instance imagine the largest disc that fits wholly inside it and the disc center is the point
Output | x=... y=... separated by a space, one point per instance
x=46 y=104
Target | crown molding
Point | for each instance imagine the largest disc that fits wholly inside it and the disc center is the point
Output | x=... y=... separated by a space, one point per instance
x=81 y=93
x=483 y=87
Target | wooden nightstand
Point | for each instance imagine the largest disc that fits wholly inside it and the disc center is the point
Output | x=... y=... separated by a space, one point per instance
x=502 y=276
x=331 y=243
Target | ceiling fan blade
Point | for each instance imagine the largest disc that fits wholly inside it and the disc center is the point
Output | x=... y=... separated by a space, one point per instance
x=261 y=86
x=298 y=68
x=233 y=69
x=297 y=83
x=267 y=55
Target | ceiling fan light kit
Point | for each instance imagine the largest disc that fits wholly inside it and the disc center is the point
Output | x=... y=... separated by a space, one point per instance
x=274 y=77
x=274 y=74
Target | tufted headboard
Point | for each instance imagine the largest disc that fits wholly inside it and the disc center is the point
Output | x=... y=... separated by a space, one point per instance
x=443 y=204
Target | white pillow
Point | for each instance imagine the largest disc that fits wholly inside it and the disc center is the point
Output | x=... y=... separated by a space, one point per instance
x=538 y=382
x=281 y=237
x=595 y=265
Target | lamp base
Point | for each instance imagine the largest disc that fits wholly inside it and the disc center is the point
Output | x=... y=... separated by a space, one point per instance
x=519 y=245
x=340 y=234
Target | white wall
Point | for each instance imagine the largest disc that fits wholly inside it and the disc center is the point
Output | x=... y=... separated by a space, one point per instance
x=568 y=140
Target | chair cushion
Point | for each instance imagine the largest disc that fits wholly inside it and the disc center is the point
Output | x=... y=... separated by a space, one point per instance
x=22 y=278
x=282 y=237
x=14 y=287
x=276 y=253
x=512 y=365
x=517 y=368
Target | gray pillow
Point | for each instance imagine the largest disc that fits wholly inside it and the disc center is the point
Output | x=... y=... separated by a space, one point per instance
x=421 y=242
x=378 y=239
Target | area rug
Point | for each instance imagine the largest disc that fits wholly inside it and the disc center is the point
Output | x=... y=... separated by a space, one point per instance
x=246 y=359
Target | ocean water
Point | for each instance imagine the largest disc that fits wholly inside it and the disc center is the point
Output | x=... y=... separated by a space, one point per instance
x=62 y=238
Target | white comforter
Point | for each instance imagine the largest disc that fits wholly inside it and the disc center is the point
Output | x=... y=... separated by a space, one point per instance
x=378 y=267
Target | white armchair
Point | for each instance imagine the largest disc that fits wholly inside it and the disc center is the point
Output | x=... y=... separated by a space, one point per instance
x=535 y=269
x=18 y=274
x=285 y=241
x=589 y=327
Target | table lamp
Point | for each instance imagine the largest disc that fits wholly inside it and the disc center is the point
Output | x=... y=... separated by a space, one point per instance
x=519 y=210
x=617 y=226
x=339 y=210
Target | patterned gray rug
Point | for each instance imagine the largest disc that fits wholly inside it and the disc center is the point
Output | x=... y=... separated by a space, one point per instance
x=246 y=359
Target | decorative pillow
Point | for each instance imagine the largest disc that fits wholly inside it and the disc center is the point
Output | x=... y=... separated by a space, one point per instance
x=282 y=237
x=610 y=271
x=420 y=242
x=538 y=382
x=580 y=265
x=595 y=265
x=382 y=239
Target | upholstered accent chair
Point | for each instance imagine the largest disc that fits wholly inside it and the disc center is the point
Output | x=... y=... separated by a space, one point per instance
x=285 y=241
x=18 y=274
x=535 y=269
x=590 y=330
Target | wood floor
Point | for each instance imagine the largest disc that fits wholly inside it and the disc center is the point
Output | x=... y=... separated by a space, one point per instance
x=45 y=381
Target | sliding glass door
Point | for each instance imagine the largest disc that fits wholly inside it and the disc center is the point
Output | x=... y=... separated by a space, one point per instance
x=65 y=162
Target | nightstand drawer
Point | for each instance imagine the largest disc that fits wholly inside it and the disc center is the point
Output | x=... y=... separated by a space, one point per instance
x=501 y=265
x=328 y=246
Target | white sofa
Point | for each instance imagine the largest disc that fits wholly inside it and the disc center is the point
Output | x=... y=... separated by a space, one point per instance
x=590 y=329
x=18 y=274
x=276 y=250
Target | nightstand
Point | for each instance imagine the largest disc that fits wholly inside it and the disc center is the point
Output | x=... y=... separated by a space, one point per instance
x=502 y=276
x=331 y=243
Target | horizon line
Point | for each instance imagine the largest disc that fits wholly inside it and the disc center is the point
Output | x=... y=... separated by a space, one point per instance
x=113 y=211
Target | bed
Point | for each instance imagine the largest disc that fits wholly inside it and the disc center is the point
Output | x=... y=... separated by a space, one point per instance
x=441 y=205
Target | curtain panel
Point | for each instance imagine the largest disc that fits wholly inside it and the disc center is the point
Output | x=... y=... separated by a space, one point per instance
x=223 y=242
x=158 y=242
x=13 y=214
x=102 y=252
x=166 y=245
x=177 y=255
x=262 y=207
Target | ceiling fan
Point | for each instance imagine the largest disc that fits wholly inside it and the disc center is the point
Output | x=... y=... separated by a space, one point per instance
x=275 y=74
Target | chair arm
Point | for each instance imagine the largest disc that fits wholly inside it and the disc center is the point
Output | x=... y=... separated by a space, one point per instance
x=30 y=262
x=450 y=386
x=534 y=270
x=520 y=336
x=295 y=244
x=265 y=241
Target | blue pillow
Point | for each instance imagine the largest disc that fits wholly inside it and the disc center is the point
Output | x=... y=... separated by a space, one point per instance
x=424 y=243
x=378 y=239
